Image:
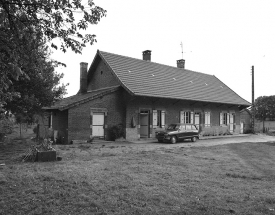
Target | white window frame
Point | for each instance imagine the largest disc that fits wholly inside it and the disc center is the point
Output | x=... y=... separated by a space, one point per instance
x=224 y=118
x=158 y=118
x=187 y=117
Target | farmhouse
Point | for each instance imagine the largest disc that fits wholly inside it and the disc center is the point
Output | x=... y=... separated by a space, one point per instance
x=143 y=97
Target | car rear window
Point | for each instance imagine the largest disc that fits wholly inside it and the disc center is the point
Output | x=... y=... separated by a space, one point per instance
x=194 y=127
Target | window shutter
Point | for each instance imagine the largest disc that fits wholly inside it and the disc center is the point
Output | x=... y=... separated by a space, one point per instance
x=227 y=119
x=155 y=118
x=209 y=118
x=181 y=116
x=163 y=119
x=221 y=118
x=192 y=117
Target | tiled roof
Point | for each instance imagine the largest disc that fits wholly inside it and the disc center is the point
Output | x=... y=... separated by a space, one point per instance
x=80 y=98
x=144 y=78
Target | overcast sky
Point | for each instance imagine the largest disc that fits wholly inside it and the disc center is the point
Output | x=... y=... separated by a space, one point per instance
x=220 y=37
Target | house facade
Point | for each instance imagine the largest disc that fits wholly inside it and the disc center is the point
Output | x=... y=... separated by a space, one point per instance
x=143 y=97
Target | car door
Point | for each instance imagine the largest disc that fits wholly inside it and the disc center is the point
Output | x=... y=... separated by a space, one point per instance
x=181 y=132
x=188 y=132
x=194 y=130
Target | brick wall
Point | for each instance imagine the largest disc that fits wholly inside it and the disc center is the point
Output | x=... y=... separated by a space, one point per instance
x=102 y=77
x=172 y=110
x=79 y=116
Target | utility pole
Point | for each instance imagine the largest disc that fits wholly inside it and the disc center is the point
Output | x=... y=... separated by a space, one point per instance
x=253 y=107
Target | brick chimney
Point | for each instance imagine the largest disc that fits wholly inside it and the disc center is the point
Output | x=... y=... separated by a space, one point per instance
x=83 y=77
x=146 y=55
x=181 y=63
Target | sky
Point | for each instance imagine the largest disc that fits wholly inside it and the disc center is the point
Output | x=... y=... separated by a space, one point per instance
x=220 y=37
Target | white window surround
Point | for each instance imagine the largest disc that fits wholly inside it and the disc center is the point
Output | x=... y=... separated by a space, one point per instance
x=187 y=117
x=158 y=118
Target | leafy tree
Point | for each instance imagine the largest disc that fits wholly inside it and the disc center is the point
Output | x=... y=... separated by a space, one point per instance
x=265 y=108
x=25 y=24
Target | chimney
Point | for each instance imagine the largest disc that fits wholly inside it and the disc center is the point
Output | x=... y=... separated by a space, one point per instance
x=181 y=63
x=83 y=77
x=146 y=55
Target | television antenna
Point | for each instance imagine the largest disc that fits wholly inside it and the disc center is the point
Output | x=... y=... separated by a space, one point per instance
x=181 y=50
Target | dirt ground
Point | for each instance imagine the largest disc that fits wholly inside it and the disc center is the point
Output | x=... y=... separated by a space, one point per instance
x=153 y=143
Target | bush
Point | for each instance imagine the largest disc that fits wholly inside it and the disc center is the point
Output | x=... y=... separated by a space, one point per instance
x=6 y=126
x=248 y=131
x=116 y=132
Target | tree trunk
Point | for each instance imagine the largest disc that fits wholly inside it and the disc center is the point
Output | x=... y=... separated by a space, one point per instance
x=263 y=126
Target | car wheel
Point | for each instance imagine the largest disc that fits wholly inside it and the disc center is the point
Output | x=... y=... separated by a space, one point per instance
x=160 y=141
x=173 y=139
x=194 y=139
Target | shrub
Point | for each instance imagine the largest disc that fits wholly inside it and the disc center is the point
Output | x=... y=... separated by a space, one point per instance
x=116 y=132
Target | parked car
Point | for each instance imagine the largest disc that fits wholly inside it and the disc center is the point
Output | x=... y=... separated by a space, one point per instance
x=177 y=132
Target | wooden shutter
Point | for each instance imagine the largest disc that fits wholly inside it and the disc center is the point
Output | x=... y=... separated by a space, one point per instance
x=163 y=119
x=227 y=119
x=192 y=117
x=221 y=118
x=155 y=118
x=182 y=117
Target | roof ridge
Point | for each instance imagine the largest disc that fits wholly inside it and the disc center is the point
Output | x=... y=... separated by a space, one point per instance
x=173 y=67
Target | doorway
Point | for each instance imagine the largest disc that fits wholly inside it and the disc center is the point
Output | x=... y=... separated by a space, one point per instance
x=144 y=123
x=98 y=125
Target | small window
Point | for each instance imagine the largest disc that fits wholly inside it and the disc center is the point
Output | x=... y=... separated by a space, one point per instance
x=158 y=118
x=186 y=117
x=224 y=118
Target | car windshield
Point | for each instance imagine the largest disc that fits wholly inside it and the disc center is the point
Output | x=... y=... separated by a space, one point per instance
x=173 y=127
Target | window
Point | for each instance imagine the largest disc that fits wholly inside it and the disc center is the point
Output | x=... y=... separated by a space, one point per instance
x=224 y=118
x=188 y=127
x=186 y=117
x=207 y=119
x=158 y=119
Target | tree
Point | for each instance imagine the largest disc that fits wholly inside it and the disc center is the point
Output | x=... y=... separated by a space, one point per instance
x=265 y=108
x=23 y=22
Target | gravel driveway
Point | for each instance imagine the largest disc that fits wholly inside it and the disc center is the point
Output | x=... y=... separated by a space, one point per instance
x=152 y=143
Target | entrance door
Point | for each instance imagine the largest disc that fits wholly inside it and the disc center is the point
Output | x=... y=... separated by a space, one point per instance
x=231 y=122
x=98 y=125
x=241 y=131
x=144 y=124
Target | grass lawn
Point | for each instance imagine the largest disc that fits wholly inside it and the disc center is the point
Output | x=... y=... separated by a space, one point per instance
x=133 y=179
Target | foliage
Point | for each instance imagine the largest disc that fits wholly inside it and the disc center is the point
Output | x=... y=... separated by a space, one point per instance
x=116 y=132
x=265 y=108
x=54 y=19
x=6 y=127
x=27 y=27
